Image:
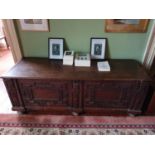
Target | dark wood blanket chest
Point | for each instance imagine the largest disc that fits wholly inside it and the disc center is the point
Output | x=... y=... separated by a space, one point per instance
x=40 y=85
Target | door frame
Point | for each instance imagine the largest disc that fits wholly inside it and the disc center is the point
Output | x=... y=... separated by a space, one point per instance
x=12 y=38
x=149 y=54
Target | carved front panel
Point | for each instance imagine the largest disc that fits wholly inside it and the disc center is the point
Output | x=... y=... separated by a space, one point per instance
x=110 y=94
x=45 y=92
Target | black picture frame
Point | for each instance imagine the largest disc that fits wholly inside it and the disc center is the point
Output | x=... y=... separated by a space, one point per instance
x=98 y=48
x=55 y=48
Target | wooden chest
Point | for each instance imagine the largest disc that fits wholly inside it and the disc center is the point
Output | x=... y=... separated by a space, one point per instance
x=39 y=85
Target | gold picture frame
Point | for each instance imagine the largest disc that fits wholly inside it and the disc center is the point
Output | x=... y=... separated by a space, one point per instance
x=126 y=25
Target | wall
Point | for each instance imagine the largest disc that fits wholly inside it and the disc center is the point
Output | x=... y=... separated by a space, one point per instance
x=77 y=34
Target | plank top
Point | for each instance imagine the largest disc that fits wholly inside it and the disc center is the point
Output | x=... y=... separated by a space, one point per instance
x=43 y=68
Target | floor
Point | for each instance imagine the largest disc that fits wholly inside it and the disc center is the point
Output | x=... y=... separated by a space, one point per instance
x=6 y=62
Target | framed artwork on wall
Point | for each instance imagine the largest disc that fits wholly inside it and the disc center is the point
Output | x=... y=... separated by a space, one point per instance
x=126 y=25
x=98 y=47
x=34 y=24
x=55 y=48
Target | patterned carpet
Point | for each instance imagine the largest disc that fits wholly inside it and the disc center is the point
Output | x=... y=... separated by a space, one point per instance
x=14 y=124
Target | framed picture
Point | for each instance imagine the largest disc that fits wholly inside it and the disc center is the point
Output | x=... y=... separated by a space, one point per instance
x=55 y=48
x=98 y=46
x=126 y=25
x=34 y=24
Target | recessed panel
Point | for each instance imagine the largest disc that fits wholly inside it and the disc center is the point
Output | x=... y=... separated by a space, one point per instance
x=45 y=94
x=108 y=94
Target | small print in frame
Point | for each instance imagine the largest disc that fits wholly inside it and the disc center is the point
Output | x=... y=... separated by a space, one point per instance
x=97 y=49
x=55 y=48
x=98 y=46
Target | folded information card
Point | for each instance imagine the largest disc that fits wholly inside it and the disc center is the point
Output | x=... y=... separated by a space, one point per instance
x=103 y=66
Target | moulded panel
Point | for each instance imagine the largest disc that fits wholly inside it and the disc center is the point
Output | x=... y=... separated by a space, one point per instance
x=45 y=92
x=110 y=94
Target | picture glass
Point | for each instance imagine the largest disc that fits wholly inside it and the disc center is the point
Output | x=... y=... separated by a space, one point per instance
x=55 y=48
x=33 y=21
x=126 y=25
x=127 y=21
x=34 y=24
x=98 y=48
